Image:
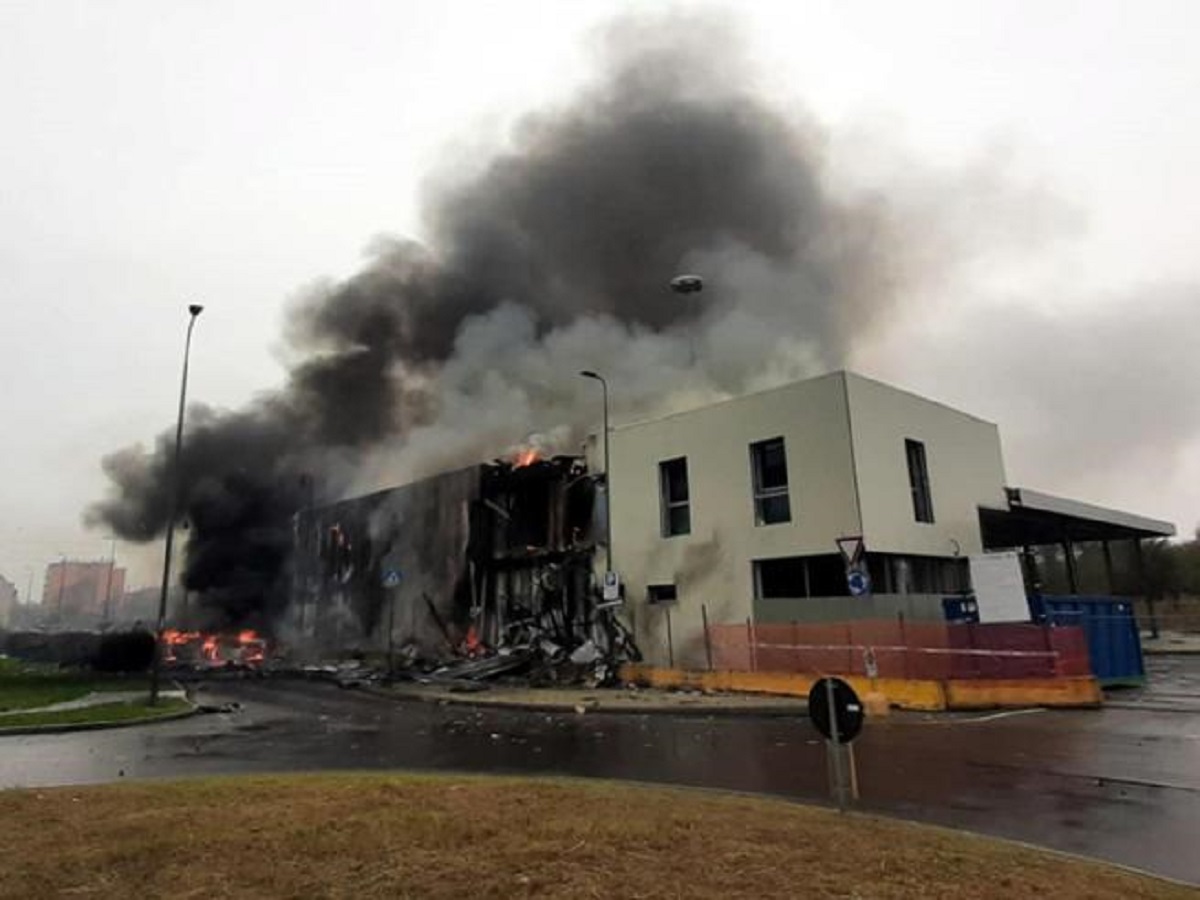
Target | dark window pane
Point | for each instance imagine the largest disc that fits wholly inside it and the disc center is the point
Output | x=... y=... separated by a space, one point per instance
x=918 y=481
x=677 y=480
x=768 y=461
x=774 y=509
x=673 y=490
x=770 y=465
x=661 y=593
x=780 y=578
x=679 y=520
x=827 y=576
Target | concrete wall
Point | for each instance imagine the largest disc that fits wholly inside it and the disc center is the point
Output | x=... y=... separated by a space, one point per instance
x=966 y=470
x=713 y=564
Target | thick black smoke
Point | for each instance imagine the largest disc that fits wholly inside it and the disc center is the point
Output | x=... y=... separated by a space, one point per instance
x=669 y=159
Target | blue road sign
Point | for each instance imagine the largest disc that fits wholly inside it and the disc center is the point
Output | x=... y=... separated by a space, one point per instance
x=859 y=582
x=391 y=578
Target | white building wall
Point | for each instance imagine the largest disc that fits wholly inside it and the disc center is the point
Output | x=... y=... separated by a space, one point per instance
x=966 y=470
x=713 y=564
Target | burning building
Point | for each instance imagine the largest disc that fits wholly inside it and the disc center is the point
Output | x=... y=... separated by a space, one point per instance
x=491 y=556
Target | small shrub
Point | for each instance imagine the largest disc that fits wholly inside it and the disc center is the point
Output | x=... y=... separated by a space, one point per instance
x=125 y=651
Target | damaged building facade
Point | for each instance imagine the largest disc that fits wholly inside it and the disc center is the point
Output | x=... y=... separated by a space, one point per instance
x=492 y=556
x=753 y=510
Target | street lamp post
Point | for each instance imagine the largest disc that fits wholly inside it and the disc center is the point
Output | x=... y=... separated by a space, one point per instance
x=173 y=510
x=608 y=491
x=62 y=582
x=112 y=562
x=684 y=285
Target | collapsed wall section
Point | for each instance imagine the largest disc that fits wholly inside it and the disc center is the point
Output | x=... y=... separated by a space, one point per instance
x=490 y=556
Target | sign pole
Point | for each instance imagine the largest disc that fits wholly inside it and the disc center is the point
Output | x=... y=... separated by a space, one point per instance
x=837 y=714
x=853 y=772
x=392 y=632
x=835 y=748
x=391 y=584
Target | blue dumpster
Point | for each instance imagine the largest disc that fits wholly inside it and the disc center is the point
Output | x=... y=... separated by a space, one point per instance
x=1114 y=647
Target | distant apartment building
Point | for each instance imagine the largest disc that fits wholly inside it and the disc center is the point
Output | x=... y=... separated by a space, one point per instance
x=8 y=601
x=141 y=605
x=82 y=590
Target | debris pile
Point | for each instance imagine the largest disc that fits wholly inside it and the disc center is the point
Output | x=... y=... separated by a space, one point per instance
x=542 y=655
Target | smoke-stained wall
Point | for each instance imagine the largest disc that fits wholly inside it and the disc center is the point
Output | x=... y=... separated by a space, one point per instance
x=420 y=531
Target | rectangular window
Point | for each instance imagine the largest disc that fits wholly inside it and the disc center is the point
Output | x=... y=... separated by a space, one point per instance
x=918 y=481
x=661 y=593
x=780 y=579
x=673 y=491
x=769 y=464
x=794 y=577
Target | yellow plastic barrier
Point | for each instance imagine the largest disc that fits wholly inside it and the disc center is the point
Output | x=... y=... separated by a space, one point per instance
x=903 y=693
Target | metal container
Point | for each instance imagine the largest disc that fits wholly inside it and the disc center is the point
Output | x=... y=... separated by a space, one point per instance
x=1114 y=647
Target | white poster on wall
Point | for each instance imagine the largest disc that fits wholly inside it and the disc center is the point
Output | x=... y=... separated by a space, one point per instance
x=999 y=587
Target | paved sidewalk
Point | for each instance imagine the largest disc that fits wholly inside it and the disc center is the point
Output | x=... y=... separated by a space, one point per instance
x=1171 y=642
x=96 y=698
x=604 y=700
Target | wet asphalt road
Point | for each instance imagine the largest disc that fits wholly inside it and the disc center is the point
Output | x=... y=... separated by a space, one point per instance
x=1121 y=784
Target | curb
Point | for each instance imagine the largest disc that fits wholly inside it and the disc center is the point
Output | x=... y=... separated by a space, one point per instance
x=66 y=727
x=475 y=700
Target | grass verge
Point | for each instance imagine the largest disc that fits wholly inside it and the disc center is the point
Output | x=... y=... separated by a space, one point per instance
x=367 y=836
x=30 y=685
x=128 y=711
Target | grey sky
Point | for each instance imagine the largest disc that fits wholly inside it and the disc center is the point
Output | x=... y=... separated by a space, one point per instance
x=231 y=153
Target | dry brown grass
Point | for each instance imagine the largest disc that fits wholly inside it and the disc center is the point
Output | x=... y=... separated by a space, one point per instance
x=366 y=836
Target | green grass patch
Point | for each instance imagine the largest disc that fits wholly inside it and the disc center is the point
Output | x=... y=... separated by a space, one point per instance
x=30 y=685
x=433 y=836
x=104 y=712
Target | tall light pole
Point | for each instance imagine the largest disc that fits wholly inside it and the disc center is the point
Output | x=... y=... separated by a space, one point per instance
x=608 y=491
x=684 y=285
x=62 y=584
x=112 y=562
x=173 y=509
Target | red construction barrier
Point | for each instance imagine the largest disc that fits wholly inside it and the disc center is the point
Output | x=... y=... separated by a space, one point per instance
x=928 y=651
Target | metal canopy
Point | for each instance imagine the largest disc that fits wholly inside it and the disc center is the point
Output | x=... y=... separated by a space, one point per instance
x=1036 y=519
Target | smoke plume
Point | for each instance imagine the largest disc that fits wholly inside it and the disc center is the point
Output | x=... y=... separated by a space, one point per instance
x=552 y=255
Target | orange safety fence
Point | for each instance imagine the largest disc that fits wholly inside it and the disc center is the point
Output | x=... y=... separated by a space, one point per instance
x=936 y=651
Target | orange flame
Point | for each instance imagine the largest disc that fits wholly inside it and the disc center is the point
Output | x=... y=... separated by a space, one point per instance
x=248 y=646
x=209 y=649
x=526 y=457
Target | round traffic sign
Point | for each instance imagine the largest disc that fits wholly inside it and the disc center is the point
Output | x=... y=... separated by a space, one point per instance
x=847 y=708
x=859 y=583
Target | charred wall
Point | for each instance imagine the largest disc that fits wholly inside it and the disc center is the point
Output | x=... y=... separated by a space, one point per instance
x=480 y=551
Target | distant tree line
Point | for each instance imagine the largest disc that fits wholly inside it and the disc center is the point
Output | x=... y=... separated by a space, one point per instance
x=1166 y=569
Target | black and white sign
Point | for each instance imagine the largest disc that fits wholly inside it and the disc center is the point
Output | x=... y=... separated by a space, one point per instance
x=612 y=586
x=848 y=710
